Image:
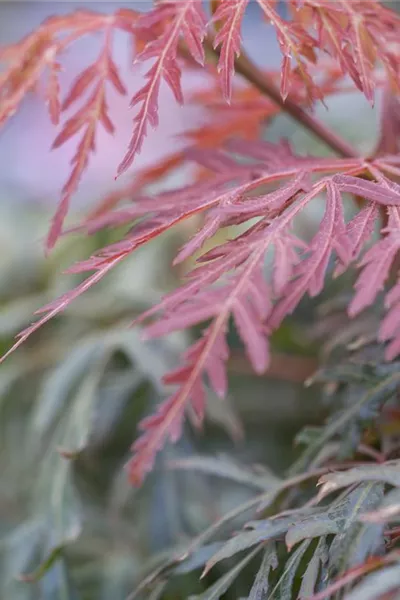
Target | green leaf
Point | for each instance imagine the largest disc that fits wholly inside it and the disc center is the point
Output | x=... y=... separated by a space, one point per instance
x=59 y=385
x=311 y=527
x=388 y=511
x=334 y=520
x=356 y=541
x=114 y=395
x=285 y=582
x=227 y=468
x=310 y=576
x=56 y=499
x=198 y=558
x=264 y=530
x=18 y=312
x=62 y=508
x=173 y=563
x=49 y=561
x=118 y=574
x=225 y=414
x=221 y=585
x=386 y=473
x=150 y=359
x=63 y=381
x=76 y=426
x=18 y=551
x=265 y=499
x=308 y=435
x=366 y=540
x=260 y=586
x=376 y=397
x=348 y=372
x=158 y=591
x=56 y=583
x=9 y=375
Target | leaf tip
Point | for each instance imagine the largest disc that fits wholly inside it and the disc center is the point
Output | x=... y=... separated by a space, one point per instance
x=205 y=571
x=67 y=454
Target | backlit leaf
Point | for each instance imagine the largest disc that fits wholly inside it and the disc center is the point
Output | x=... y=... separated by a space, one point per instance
x=228 y=17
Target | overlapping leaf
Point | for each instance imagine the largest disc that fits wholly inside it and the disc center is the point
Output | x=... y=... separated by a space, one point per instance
x=358 y=34
x=38 y=55
x=184 y=19
x=228 y=17
x=244 y=295
x=269 y=562
x=272 y=186
x=229 y=281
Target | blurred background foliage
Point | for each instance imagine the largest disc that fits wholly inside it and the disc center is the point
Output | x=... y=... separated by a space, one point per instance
x=70 y=401
x=71 y=398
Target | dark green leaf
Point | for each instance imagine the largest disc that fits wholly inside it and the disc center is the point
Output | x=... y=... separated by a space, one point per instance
x=310 y=576
x=225 y=467
x=321 y=522
x=58 y=386
x=198 y=558
x=387 y=473
x=158 y=591
x=375 y=396
x=18 y=551
x=150 y=359
x=313 y=526
x=260 y=586
x=388 y=511
x=354 y=543
x=285 y=583
x=221 y=585
x=348 y=372
x=226 y=415
x=264 y=530
x=44 y=566
x=266 y=497
x=56 y=583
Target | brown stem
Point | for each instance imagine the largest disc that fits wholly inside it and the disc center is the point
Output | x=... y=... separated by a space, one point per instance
x=249 y=71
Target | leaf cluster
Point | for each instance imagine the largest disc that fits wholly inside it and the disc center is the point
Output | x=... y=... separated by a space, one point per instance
x=253 y=193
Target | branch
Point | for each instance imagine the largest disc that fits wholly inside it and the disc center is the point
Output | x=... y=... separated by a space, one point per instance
x=249 y=71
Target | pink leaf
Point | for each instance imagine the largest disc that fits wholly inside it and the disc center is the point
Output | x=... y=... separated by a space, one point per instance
x=309 y=274
x=228 y=16
x=376 y=265
x=359 y=231
x=59 y=305
x=387 y=195
x=187 y=20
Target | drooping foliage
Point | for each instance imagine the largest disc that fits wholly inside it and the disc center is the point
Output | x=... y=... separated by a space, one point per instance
x=257 y=190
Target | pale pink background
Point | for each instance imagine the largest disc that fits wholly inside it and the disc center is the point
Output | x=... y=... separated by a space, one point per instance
x=30 y=171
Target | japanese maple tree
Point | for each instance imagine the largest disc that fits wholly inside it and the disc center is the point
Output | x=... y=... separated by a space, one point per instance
x=323 y=45
x=256 y=190
x=327 y=47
